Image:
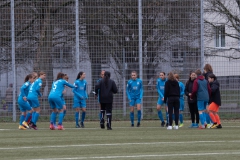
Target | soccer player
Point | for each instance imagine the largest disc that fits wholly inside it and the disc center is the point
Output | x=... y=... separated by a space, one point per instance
x=23 y=103
x=215 y=101
x=172 y=96
x=106 y=88
x=181 y=108
x=135 y=94
x=202 y=90
x=160 y=89
x=192 y=104
x=80 y=96
x=101 y=114
x=55 y=100
x=32 y=97
x=207 y=71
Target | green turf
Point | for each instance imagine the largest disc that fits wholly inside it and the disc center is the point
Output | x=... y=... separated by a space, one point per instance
x=150 y=142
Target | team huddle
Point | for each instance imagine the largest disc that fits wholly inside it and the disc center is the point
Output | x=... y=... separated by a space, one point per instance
x=202 y=90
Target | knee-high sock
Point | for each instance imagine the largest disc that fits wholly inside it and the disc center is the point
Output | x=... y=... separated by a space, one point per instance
x=132 y=117
x=109 y=119
x=201 y=116
x=60 y=118
x=64 y=113
x=53 y=117
x=33 y=115
x=212 y=116
x=167 y=117
x=181 y=118
x=27 y=116
x=139 y=115
x=102 y=114
x=160 y=115
x=76 y=117
x=217 y=118
x=35 y=118
x=22 y=117
x=83 y=116
x=208 y=120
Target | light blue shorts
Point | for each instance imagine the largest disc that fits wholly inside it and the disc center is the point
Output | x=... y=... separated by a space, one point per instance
x=23 y=105
x=133 y=102
x=202 y=105
x=55 y=102
x=79 y=103
x=160 y=101
x=34 y=103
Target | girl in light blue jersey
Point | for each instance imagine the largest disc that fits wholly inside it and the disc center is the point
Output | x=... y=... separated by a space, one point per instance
x=80 y=96
x=181 y=107
x=160 y=89
x=32 y=97
x=55 y=100
x=135 y=94
x=23 y=103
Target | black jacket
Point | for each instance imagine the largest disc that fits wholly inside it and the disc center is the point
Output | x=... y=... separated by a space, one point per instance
x=171 y=89
x=215 y=93
x=188 y=89
x=106 y=93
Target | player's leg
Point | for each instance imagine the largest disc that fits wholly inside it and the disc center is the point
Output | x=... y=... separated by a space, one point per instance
x=201 y=110
x=83 y=108
x=132 y=104
x=139 y=113
x=109 y=115
x=102 y=121
x=76 y=106
x=160 y=116
x=181 y=109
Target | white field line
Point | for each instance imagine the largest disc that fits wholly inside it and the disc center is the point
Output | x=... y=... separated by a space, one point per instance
x=147 y=156
x=115 y=144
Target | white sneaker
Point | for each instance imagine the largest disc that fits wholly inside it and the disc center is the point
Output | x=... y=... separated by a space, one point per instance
x=169 y=128
x=175 y=127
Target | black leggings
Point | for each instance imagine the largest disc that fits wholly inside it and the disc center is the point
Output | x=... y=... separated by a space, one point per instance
x=108 y=108
x=194 y=112
x=173 y=104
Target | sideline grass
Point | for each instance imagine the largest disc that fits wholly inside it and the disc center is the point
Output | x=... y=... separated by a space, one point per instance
x=150 y=141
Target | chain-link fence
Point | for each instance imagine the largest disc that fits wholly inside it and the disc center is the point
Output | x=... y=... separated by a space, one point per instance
x=69 y=36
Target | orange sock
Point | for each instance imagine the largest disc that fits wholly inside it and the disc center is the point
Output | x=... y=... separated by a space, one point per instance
x=217 y=118
x=212 y=116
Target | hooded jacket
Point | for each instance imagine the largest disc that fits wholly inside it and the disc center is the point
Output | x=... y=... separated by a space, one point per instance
x=215 y=93
x=171 y=89
x=201 y=89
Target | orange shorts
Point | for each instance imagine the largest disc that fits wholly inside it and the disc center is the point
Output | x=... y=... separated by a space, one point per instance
x=213 y=107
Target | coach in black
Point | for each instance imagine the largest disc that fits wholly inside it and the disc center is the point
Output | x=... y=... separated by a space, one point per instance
x=106 y=88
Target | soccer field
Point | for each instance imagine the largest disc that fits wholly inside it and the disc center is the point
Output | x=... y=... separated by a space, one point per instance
x=150 y=142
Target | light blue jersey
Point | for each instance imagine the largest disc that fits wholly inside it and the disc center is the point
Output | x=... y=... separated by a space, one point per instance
x=134 y=89
x=34 y=90
x=24 y=105
x=80 y=90
x=160 y=89
x=55 y=95
x=25 y=89
x=182 y=88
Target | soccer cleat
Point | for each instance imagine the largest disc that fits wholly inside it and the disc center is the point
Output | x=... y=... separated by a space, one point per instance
x=25 y=124
x=102 y=123
x=77 y=126
x=52 y=127
x=219 y=126
x=214 y=126
x=169 y=128
x=209 y=125
x=162 y=124
x=166 y=124
x=175 y=127
x=201 y=127
x=109 y=127
x=195 y=125
x=60 y=127
x=82 y=124
x=30 y=125
x=21 y=127
x=181 y=125
x=132 y=125
x=138 y=124
x=34 y=127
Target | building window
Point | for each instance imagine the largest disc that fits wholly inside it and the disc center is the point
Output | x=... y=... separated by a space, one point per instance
x=220 y=36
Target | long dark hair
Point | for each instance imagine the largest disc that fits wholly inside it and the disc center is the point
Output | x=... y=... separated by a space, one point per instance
x=107 y=76
x=28 y=77
x=60 y=75
x=79 y=75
